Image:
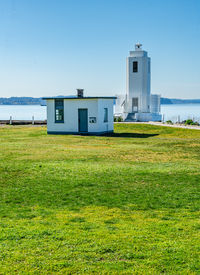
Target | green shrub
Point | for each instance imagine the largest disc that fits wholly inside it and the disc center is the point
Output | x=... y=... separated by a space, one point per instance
x=118 y=119
x=191 y=122
x=169 y=122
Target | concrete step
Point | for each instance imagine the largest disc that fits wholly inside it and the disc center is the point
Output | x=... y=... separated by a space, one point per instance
x=130 y=117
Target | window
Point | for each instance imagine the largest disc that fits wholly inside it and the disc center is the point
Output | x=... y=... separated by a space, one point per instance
x=135 y=66
x=135 y=104
x=93 y=119
x=105 y=115
x=149 y=67
x=59 y=110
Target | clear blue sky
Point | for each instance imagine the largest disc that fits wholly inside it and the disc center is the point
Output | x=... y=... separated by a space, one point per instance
x=52 y=47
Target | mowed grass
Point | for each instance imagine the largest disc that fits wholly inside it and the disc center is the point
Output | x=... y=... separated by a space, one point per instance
x=125 y=204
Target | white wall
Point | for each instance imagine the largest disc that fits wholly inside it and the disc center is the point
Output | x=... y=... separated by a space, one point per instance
x=148 y=117
x=155 y=103
x=95 y=109
x=105 y=126
x=118 y=108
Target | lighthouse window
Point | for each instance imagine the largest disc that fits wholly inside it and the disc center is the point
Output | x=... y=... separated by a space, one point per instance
x=135 y=67
x=105 y=115
x=59 y=110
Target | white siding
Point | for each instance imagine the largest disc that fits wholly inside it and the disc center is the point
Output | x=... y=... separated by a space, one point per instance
x=155 y=103
x=95 y=109
x=105 y=103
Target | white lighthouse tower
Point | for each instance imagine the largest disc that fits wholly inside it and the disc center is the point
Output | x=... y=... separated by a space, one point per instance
x=138 y=80
x=137 y=105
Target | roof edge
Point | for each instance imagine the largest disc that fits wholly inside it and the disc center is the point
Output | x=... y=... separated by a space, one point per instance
x=85 y=97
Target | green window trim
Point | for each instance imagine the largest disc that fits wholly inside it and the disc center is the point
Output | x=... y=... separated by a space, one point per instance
x=59 y=111
x=105 y=117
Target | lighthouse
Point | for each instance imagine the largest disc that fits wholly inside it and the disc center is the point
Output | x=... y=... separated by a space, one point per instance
x=139 y=102
x=138 y=80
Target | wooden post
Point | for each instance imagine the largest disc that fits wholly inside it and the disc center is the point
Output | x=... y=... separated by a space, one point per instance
x=10 y=120
x=33 y=120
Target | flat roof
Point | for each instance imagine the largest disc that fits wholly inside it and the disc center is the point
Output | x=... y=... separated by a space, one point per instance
x=85 y=97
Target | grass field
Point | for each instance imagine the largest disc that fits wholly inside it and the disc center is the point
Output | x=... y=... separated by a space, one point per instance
x=126 y=204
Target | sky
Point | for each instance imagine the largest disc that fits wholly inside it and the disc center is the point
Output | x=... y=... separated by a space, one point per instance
x=53 y=47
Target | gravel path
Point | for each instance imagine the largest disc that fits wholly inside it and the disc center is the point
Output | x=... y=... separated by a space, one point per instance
x=193 y=127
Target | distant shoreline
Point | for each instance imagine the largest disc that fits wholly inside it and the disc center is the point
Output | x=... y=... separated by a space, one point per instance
x=165 y=101
x=183 y=103
x=44 y=105
x=22 y=101
x=41 y=102
x=21 y=104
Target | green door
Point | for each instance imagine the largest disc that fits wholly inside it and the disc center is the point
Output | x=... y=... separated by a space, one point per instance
x=83 y=120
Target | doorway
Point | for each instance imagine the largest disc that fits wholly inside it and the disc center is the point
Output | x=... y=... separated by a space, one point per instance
x=135 y=104
x=83 y=120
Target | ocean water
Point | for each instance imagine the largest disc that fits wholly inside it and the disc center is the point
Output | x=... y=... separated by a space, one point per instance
x=170 y=112
x=180 y=112
x=23 y=112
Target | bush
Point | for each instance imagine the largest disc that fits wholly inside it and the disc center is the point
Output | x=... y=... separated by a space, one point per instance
x=169 y=122
x=190 y=122
x=118 y=119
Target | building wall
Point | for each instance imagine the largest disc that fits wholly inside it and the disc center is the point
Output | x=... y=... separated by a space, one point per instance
x=155 y=103
x=138 y=84
x=118 y=106
x=95 y=109
x=148 y=117
x=105 y=126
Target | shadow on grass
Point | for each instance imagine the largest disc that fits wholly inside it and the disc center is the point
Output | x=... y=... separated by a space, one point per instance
x=122 y=135
x=130 y=135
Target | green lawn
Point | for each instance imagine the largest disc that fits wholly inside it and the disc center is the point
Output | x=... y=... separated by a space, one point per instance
x=126 y=204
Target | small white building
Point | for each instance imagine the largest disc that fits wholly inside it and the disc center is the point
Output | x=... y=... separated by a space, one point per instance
x=79 y=114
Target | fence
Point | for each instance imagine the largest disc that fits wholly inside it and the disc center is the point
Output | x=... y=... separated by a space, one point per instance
x=180 y=118
x=11 y=121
